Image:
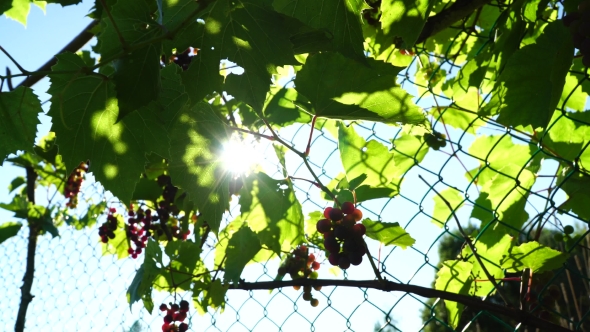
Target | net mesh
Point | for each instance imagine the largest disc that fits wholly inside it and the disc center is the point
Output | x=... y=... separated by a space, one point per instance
x=77 y=288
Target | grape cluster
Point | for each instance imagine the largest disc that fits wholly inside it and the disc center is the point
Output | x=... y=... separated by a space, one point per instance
x=176 y=313
x=436 y=140
x=167 y=208
x=139 y=225
x=579 y=25
x=343 y=235
x=74 y=183
x=107 y=230
x=300 y=264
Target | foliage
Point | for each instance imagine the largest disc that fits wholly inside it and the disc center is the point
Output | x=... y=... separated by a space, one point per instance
x=153 y=112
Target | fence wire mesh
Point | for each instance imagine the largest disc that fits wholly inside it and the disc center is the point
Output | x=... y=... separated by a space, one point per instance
x=77 y=288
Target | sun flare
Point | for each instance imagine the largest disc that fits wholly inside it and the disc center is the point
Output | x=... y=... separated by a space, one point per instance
x=241 y=155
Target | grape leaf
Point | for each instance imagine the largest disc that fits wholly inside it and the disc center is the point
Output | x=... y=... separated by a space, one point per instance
x=9 y=229
x=272 y=211
x=408 y=151
x=360 y=157
x=531 y=84
x=137 y=79
x=388 y=233
x=19 y=110
x=19 y=11
x=141 y=286
x=183 y=255
x=241 y=248
x=176 y=12
x=248 y=33
x=89 y=219
x=534 y=256
x=16 y=183
x=576 y=188
x=404 y=19
x=132 y=19
x=84 y=111
x=146 y=189
x=490 y=247
x=213 y=295
x=351 y=91
x=441 y=212
x=454 y=277
x=340 y=19
x=568 y=135
x=197 y=139
x=281 y=107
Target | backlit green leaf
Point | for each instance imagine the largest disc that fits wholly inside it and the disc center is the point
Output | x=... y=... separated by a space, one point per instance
x=390 y=234
x=534 y=256
x=19 y=110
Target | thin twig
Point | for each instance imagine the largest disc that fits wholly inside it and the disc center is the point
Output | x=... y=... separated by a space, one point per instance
x=469 y=243
x=474 y=302
x=375 y=269
x=302 y=179
x=308 y=148
x=270 y=138
x=23 y=70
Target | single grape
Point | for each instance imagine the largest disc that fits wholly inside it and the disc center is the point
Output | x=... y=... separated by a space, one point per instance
x=585 y=46
x=163 y=307
x=348 y=221
x=355 y=258
x=331 y=244
x=568 y=229
x=324 y=225
x=341 y=232
x=296 y=287
x=358 y=215
x=344 y=262
x=334 y=258
x=307 y=296
x=570 y=18
x=584 y=29
x=183 y=327
x=327 y=212
x=347 y=207
x=314 y=302
x=336 y=214
x=313 y=275
x=317 y=288
x=184 y=305
x=359 y=229
x=315 y=265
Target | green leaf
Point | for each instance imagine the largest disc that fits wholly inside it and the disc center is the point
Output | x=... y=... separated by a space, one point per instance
x=47 y=149
x=9 y=229
x=534 y=256
x=371 y=159
x=133 y=20
x=491 y=247
x=272 y=211
x=441 y=212
x=15 y=183
x=197 y=139
x=137 y=79
x=349 y=90
x=259 y=42
x=404 y=19
x=568 y=136
x=176 y=12
x=454 y=277
x=459 y=119
x=241 y=248
x=85 y=113
x=184 y=255
x=281 y=108
x=340 y=19
x=19 y=11
x=576 y=188
x=141 y=286
x=19 y=205
x=354 y=183
x=213 y=296
x=388 y=233
x=531 y=85
x=147 y=190
x=365 y=193
x=19 y=110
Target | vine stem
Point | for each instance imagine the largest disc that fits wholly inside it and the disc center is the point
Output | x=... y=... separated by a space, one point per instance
x=469 y=243
x=29 y=277
x=13 y=61
x=308 y=148
x=389 y=286
x=121 y=39
x=302 y=179
x=270 y=138
x=375 y=269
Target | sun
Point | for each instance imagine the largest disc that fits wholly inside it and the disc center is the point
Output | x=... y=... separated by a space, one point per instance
x=241 y=155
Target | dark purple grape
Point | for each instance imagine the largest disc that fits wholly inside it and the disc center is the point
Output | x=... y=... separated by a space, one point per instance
x=585 y=46
x=324 y=226
x=331 y=244
x=570 y=18
x=344 y=262
x=584 y=6
x=586 y=60
x=355 y=258
x=336 y=214
x=334 y=258
x=584 y=29
x=341 y=232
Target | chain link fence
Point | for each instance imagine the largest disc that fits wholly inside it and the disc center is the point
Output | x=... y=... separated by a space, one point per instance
x=77 y=288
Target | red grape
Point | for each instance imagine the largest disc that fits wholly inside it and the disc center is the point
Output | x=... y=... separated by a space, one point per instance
x=347 y=208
